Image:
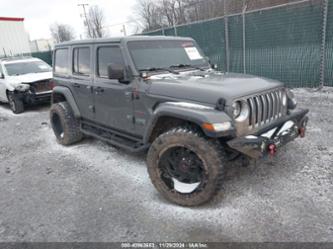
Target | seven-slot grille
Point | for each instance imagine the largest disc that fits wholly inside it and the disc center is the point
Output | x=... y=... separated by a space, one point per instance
x=265 y=108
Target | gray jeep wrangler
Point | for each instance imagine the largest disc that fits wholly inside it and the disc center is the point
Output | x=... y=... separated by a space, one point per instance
x=162 y=95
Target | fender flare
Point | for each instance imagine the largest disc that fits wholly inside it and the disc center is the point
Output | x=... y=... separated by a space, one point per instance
x=69 y=98
x=193 y=114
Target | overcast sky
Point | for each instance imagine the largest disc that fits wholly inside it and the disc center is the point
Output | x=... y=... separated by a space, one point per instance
x=39 y=14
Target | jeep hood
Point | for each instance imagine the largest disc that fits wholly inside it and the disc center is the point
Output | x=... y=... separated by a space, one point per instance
x=209 y=87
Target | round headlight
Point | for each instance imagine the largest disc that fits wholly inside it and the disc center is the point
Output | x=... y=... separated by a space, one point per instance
x=22 y=87
x=241 y=111
x=236 y=109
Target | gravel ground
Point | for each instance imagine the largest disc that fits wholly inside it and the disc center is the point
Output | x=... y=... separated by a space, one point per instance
x=95 y=192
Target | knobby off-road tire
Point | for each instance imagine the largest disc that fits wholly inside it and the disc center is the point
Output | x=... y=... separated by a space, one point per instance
x=210 y=153
x=65 y=125
x=16 y=104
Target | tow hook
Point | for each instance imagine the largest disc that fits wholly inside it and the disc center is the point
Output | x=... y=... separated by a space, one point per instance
x=302 y=129
x=272 y=149
x=302 y=132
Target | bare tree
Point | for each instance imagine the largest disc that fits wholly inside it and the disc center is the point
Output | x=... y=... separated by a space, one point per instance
x=149 y=12
x=165 y=13
x=62 y=32
x=95 y=22
x=155 y=14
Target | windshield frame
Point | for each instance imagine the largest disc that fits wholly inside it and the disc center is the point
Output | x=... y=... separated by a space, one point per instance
x=205 y=66
x=25 y=62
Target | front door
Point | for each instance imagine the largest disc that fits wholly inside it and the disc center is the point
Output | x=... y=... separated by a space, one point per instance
x=112 y=99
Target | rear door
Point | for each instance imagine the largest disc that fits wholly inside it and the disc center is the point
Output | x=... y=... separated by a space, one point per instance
x=81 y=79
x=112 y=99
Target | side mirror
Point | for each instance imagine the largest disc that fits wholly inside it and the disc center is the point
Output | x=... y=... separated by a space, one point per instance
x=116 y=72
x=213 y=66
x=2 y=76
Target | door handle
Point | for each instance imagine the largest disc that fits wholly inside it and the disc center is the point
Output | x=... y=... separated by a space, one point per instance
x=76 y=85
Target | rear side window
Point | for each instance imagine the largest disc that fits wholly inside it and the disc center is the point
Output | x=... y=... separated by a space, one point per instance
x=61 y=61
x=81 y=61
x=106 y=56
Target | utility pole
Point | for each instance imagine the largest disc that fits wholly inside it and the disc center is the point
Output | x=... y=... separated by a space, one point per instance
x=124 y=30
x=83 y=5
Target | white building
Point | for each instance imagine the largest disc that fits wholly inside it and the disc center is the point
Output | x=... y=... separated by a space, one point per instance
x=14 y=40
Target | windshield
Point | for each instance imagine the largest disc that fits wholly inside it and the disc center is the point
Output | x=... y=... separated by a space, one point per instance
x=166 y=54
x=19 y=68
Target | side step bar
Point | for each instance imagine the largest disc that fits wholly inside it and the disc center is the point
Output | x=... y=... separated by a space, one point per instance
x=116 y=138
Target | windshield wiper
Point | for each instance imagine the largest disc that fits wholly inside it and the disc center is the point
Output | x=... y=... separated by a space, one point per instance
x=154 y=69
x=187 y=66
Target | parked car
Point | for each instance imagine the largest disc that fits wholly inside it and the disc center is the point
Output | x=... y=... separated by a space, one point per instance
x=161 y=94
x=24 y=80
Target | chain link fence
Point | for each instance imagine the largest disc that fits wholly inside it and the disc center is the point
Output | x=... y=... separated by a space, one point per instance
x=290 y=42
x=45 y=56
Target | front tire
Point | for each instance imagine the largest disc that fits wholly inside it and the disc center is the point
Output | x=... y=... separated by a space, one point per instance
x=65 y=125
x=182 y=157
x=15 y=104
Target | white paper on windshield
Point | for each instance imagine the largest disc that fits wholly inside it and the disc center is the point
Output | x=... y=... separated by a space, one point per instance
x=193 y=53
x=43 y=67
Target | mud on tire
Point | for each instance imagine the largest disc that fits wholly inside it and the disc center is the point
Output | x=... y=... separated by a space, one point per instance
x=201 y=151
x=65 y=125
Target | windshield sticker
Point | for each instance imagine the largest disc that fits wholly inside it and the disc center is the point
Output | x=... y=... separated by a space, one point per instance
x=43 y=67
x=193 y=53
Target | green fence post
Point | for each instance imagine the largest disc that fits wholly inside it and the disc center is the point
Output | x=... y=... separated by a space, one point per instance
x=323 y=45
x=244 y=37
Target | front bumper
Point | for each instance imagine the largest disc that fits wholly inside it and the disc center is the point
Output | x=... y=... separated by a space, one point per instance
x=34 y=98
x=270 y=138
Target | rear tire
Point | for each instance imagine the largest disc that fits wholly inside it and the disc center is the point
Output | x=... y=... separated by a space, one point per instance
x=65 y=125
x=201 y=151
x=15 y=104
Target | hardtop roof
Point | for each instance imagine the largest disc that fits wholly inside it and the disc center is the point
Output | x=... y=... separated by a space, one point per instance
x=120 y=39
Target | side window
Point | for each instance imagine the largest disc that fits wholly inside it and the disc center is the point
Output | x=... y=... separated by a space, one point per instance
x=106 y=56
x=81 y=61
x=61 y=61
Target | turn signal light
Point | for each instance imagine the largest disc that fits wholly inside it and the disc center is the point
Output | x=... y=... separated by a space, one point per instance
x=208 y=127
x=217 y=127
